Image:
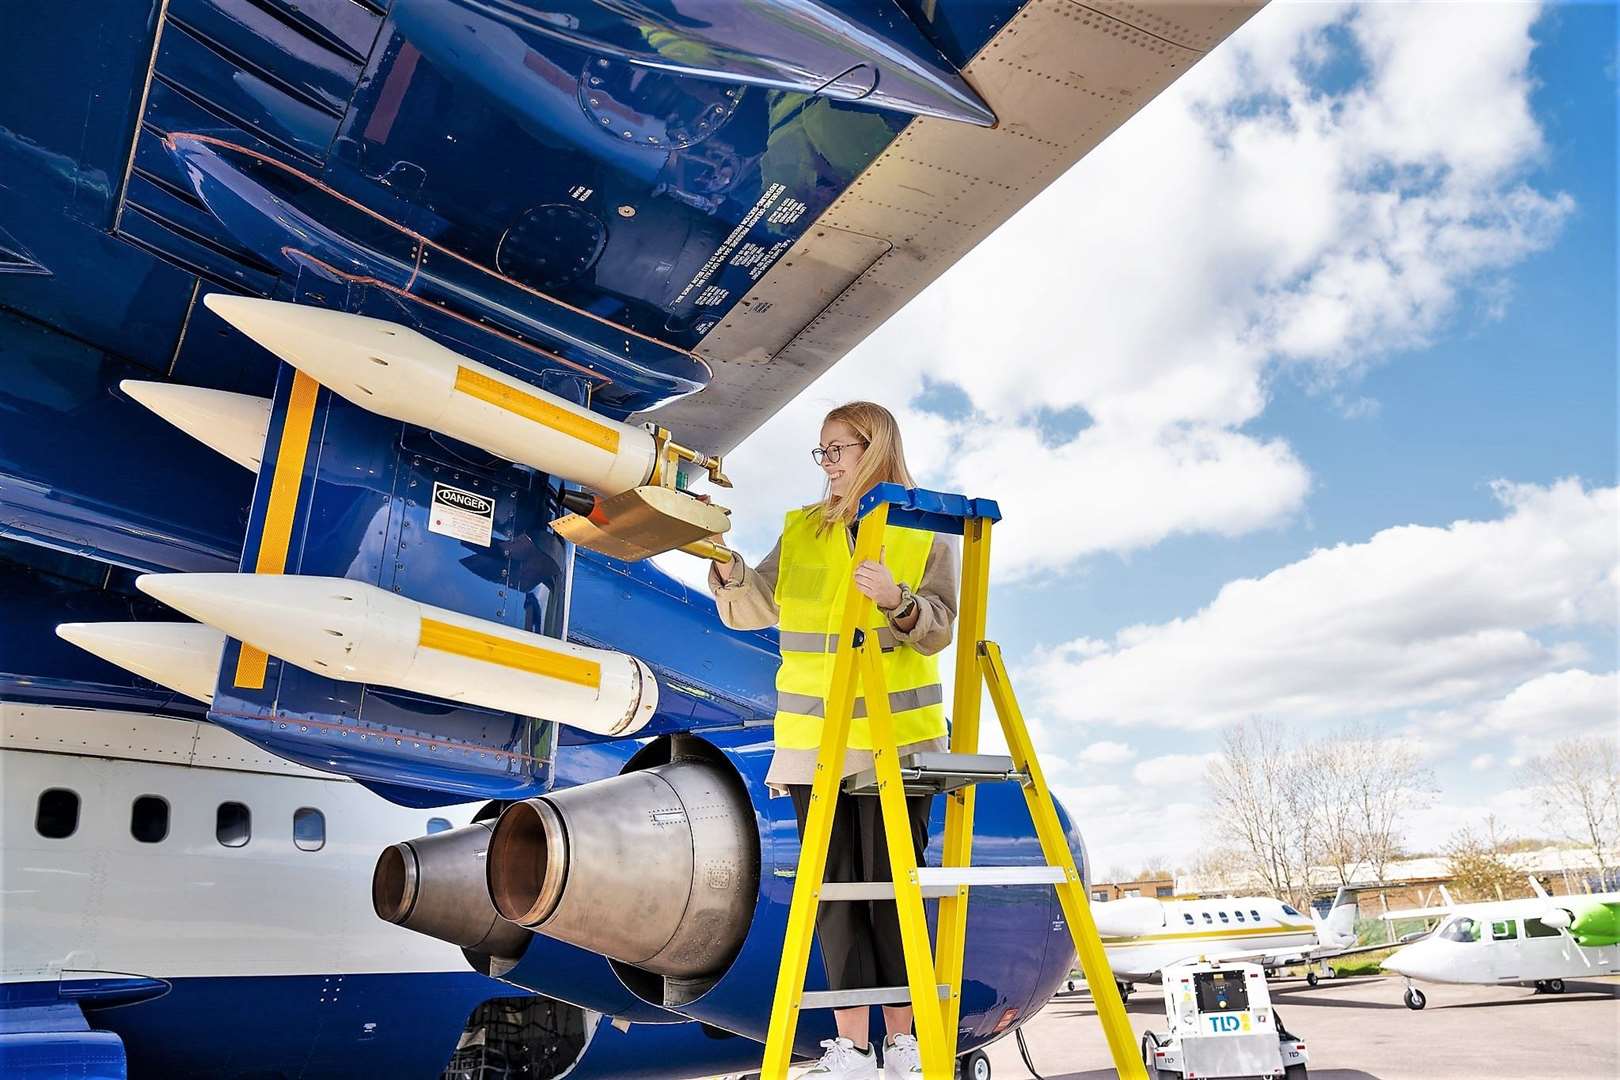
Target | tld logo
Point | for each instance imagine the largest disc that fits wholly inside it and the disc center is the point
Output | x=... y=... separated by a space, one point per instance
x=1224 y=1023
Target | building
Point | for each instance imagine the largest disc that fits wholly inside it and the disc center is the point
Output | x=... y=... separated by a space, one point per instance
x=1415 y=883
x=1161 y=888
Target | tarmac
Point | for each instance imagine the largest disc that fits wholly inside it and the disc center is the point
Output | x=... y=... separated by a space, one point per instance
x=1356 y=1028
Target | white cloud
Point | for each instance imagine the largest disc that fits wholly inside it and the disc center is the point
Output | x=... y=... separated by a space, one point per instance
x=1417 y=616
x=1482 y=762
x=1106 y=752
x=1246 y=225
x=1183 y=772
x=1558 y=704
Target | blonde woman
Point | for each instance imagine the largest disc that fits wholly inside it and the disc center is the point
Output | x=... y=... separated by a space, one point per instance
x=800 y=587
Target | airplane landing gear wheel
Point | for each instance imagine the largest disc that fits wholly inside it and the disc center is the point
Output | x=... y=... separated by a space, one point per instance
x=1125 y=990
x=973 y=1065
x=1555 y=986
x=1310 y=978
x=1414 y=998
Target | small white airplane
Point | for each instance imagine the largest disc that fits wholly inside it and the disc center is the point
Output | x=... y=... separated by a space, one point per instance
x=1537 y=941
x=1143 y=936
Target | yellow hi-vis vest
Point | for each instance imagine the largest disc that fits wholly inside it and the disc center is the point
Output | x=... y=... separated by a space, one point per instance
x=816 y=573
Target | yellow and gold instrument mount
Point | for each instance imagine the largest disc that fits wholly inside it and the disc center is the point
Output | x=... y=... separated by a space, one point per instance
x=655 y=517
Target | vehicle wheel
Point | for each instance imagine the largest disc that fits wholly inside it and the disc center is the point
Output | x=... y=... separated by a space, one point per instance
x=1332 y=972
x=1555 y=986
x=974 y=1065
x=1310 y=978
x=1415 y=998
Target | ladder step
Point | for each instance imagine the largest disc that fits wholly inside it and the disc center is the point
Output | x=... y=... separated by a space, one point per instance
x=877 y=995
x=932 y=773
x=937 y=881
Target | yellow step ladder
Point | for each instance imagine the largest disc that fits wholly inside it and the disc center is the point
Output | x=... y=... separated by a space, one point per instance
x=933 y=975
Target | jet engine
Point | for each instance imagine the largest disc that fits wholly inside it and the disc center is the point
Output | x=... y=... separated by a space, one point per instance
x=656 y=867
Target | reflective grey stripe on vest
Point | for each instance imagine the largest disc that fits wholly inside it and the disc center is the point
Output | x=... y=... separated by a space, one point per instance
x=803 y=641
x=899 y=701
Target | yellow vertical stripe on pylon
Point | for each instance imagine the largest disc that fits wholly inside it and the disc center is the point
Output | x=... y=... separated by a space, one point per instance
x=285 y=483
x=533 y=407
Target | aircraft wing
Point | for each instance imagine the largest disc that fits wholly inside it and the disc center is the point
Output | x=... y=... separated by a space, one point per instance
x=1061 y=76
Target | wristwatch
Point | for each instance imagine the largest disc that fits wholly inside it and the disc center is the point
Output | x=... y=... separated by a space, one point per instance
x=907 y=604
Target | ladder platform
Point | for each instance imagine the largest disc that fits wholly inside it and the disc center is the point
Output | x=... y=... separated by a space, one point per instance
x=930 y=511
x=933 y=773
x=877 y=995
x=938 y=881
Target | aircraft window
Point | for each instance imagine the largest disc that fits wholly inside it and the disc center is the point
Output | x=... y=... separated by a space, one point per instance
x=1239 y=915
x=437 y=824
x=1188 y=916
x=309 y=829
x=1224 y=919
x=1288 y=909
x=149 y=819
x=1506 y=930
x=1255 y=914
x=233 y=824
x=57 y=815
x=1537 y=928
x=1461 y=928
x=1207 y=919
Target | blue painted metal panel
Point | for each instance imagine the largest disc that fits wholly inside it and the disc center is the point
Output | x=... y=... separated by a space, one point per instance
x=203 y=71
x=262 y=41
x=84 y=470
x=362 y=509
x=38 y=667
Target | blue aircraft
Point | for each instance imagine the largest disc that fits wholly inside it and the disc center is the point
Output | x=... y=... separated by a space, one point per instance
x=332 y=325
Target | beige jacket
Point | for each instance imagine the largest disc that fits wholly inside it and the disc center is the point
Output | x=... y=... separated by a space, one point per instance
x=746 y=599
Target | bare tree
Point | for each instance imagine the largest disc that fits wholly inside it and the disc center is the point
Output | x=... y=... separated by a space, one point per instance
x=1360 y=788
x=1578 y=781
x=1264 y=807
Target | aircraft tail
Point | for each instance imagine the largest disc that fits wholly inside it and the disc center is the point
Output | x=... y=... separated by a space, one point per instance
x=1338 y=929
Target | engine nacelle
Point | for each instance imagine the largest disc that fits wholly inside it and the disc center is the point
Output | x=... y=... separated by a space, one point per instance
x=657 y=867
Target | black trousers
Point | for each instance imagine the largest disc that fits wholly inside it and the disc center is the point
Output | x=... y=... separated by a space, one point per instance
x=860 y=939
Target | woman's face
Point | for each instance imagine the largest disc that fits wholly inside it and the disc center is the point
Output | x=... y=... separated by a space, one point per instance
x=850 y=448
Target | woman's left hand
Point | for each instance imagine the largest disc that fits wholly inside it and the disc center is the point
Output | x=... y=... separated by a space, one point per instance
x=875 y=582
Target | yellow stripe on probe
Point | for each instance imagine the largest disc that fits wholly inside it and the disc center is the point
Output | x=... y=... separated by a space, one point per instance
x=477 y=645
x=285 y=483
x=530 y=407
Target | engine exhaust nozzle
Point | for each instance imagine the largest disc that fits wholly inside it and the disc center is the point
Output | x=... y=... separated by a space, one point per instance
x=435 y=885
x=658 y=868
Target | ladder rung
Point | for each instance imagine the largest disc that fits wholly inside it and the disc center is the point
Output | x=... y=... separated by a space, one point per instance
x=877 y=995
x=937 y=881
x=931 y=773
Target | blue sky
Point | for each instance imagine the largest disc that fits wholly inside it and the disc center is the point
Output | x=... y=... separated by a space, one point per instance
x=1303 y=408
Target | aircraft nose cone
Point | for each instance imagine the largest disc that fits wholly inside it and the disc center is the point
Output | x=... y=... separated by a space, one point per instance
x=1558 y=919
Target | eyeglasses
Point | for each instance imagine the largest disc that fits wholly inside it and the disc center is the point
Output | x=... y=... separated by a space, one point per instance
x=829 y=455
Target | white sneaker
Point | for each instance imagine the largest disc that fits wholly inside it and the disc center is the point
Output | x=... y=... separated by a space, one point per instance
x=843 y=1062
x=900 y=1057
